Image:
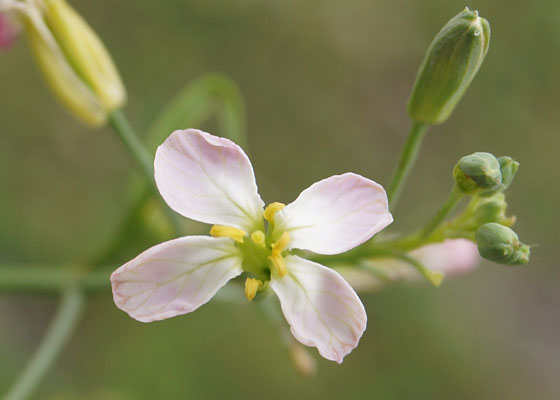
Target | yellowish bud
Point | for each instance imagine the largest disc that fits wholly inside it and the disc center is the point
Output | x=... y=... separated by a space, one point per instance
x=73 y=61
x=86 y=53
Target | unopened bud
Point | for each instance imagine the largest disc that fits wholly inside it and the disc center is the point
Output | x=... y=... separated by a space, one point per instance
x=477 y=173
x=501 y=245
x=492 y=209
x=72 y=59
x=508 y=168
x=450 y=64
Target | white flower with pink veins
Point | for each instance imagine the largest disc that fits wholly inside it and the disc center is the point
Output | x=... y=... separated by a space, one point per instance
x=210 y=179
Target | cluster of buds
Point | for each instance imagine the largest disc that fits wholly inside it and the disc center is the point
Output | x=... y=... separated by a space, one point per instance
x=73 y=60
x=487 y=177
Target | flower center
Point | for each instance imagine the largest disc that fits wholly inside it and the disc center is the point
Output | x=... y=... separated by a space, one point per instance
x=262 y=250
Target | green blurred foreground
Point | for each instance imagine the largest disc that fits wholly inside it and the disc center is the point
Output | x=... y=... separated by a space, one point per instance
x=326 y=86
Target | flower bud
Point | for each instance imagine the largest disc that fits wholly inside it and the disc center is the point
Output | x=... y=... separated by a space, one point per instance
x=72 y=59
x=501 y=245
x=492 y=209
x=477 y=173
x=450 y=64
x=508 y=168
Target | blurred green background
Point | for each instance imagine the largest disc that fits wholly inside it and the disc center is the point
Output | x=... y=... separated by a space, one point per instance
x=325 y=84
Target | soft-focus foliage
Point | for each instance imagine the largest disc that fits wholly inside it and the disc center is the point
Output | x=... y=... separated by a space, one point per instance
x=326 y=85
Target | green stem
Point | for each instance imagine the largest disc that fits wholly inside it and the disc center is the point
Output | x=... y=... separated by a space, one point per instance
x=51 y=280
x=56 y=337
x=144 y=160
x=406 y=162
x=435 y=278
x=128 y=137
x=454 y=197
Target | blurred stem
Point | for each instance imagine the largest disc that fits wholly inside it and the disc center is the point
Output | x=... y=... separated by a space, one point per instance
x=454 y=197
x=132 y=143
x=434 y=278
x=406 y=162
x=54 y=340
x=128 y=137
x=51 y=280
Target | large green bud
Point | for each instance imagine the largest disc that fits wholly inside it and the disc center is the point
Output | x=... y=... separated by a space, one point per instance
x=450 y=64
x=501 y=245
x=477 y=173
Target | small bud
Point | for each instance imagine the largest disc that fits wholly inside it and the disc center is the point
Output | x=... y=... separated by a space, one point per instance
x=477 y=173
x=508 y=168
x=450 y=64
x=501 y=245
x=492 y=209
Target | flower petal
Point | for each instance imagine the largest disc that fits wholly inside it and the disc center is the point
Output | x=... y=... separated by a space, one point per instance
x=208 y=179
x=321 y=307
x=175 y=277
x=335 y=214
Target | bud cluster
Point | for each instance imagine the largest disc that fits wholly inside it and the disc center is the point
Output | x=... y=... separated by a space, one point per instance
x=486 y=177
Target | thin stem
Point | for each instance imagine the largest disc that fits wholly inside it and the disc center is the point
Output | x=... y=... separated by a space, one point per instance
x=128 y=137
x=56 y=337
x=132 y=143
x=435 y=278
x=454 y=197
x=407 y=159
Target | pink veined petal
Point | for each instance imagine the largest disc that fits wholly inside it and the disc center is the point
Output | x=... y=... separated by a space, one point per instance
x=335 y=214
x=8 y=32
x=321 y=307
x=208 y=179
x=452 y=257
x=175 y=277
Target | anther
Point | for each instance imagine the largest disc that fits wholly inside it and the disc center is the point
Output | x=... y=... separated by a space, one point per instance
x=278 y=263
x=228 y=231
x=252 y=285
x=272 y=209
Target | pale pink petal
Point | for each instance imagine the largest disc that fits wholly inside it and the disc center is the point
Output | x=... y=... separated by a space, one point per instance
x=321 y=307
x=335 y=214
x=452 y=257
x=8 y=31
x=208 y=179
x=175 y=277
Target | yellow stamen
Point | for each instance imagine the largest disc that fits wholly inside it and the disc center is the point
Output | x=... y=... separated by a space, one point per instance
x=276 y=257
x=252 y=285
x=228 y=231
x=258 y=238
x=281 y=244
x=278 y=263
x=272 y=209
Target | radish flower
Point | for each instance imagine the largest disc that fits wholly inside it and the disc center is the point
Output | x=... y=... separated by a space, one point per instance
x=210 y=179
